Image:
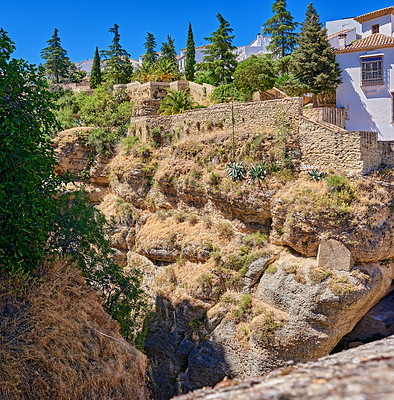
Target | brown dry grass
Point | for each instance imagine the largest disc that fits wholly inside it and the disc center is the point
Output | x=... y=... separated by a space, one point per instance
x=54 y=344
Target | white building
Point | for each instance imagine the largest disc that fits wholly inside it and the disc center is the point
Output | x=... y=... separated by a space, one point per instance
x=182 y=57
x=257 y=47
x=368 y=75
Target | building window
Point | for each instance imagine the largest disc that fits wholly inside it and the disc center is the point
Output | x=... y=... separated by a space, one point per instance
x=372 y=71
x=375 y=28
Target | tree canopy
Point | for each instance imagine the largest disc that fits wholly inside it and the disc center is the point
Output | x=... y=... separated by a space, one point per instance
x=95 y=75
x=281 y=29
x=219 y=61
x=255 y=74
x=118 y=68
x=150 y=55
x=314 y=69
x=168 y=50
x=190 y=55
x=57 y=63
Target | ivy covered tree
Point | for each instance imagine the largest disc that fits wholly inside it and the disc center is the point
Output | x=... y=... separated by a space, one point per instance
x=168 y=50
x=150 y=55
x=281 y=28
x=219 y=60
x=190 y=55
x=255 y=74
x=314 y=69
x=95 y=75
x=118 y=68
x=57 y=63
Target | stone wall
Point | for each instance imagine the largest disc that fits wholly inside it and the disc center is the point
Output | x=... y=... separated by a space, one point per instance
x=334 y=116
x=256 y=117
x=386 y=149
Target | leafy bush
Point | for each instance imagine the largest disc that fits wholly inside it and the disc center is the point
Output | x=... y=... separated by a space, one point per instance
x=176 y=102
x=226 y=93
x=101 y=141
x=129 y=142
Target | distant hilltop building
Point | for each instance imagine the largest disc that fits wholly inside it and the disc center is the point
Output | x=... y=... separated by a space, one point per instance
x=367 y=63
x=257 y=47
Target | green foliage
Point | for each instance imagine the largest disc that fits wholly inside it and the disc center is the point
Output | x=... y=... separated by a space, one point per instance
x=313 y=66
x=190 y=55
x=165 y=69
x=40 y=218
x=226 y=93
x=243 y=307
x=236 y=171
x=255 y=74
x=168 y=50
x=258 y=172
x=95 y=75
x=315 y=175
x=102 y=141
x=219 y=61
x=57 y=63
x=281 y=28
x=150 y=55
x=118 y=68
x=65 y=110
x=105 y=108
x=176 y=102
x=202 y=76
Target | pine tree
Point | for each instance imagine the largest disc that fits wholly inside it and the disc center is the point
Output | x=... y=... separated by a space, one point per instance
x=118 y=68
x=168 y=50
x=190 y=55
x=150 y=45
x=281 y=28
x=95 y=75
x=314 y=67
x=57 y=63
x=219 y=61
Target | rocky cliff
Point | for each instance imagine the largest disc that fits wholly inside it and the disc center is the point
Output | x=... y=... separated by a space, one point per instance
x=230 y=267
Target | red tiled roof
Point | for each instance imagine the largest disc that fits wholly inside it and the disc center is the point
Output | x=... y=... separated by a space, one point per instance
x=374 y=41
x=339 y=33
x=375 y=14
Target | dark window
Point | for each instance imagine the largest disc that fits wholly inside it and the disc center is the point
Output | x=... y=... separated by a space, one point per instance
x=372 y=71
x=375 y=28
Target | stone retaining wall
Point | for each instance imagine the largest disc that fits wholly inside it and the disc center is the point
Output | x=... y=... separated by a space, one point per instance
x=386 y=150
x=256 y=117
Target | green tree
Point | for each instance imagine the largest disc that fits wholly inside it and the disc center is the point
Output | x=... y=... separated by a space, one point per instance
x=150 y=55
x=281 y=29
x=95 y=75
x=314 y=69
x=118 y=68
x=40 y=219
x=255 y=74
x=176 y=102
x=168 y=50
x=57 y=63
x=219 y=60
x=190 y=55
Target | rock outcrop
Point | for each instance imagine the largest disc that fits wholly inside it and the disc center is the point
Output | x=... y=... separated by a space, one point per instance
x=363 y=373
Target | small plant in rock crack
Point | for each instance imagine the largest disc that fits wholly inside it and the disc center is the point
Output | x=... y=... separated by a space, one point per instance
x=236 y=171
x=315 y=175
x=258 y=172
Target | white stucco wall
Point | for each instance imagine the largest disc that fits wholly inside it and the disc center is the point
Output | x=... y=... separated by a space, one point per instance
x=341 y=24
x=351 y=36
x=367 y=110
x=385 y=25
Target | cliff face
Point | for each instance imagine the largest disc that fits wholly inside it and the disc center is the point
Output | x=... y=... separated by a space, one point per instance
x=230 y=267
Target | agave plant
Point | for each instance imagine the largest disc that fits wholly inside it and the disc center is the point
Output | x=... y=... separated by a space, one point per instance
x=314 y=175
x=176 y=102
x=236 y=171
x=258 y=172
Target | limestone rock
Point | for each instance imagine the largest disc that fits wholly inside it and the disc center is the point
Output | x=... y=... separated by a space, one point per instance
x=257 y=268
x=333 y=254
x=366 y=372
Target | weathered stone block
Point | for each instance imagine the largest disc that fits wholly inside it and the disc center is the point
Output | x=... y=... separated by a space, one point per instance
x=335 y=255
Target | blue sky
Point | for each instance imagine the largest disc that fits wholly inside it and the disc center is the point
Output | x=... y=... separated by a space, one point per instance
x=83 y=25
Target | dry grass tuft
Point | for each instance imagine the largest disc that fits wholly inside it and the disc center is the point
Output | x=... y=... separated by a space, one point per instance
x=57 y=342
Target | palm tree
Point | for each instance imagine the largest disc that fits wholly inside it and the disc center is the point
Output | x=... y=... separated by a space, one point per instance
x=144 y=73
x=176 y=102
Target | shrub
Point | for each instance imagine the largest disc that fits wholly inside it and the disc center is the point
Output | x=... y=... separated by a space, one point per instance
x=244 y=306
x=101 y=141
x=236 y=171
x=214 y=179
x=224 y=229
x=176 y=102
x=129 y=143
x=319 y=274
x=341 y=285
x=226 y=93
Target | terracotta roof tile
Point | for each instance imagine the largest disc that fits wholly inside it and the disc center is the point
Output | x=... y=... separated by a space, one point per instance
x=375 y=41
x=375 y=14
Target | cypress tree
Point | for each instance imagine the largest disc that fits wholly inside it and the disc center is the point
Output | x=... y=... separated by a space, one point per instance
x=150 y=55
x=95 y=75
x=118 y=68
x=219 y=61
x=57 y=63
x=281 y=29
x=314 y=67
x=190 y=55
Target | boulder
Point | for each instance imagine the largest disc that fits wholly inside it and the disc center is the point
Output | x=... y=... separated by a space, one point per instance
x=335 y=255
